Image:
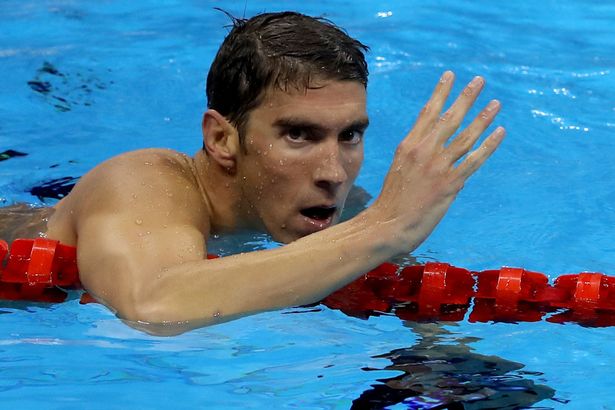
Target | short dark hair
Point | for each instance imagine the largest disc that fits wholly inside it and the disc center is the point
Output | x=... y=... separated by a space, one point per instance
x=282 y=50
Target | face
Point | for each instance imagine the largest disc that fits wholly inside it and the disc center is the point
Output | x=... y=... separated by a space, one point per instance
x=303 y=151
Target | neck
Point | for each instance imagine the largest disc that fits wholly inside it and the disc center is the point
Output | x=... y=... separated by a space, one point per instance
x=222 y=194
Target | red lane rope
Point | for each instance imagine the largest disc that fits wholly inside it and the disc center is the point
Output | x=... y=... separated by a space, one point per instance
x=439 y=291
x=37 y=269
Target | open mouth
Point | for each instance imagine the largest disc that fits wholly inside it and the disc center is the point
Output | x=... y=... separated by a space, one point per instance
x=319 y=213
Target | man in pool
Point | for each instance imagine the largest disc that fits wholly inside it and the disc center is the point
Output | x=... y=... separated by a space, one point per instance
x=282 y=145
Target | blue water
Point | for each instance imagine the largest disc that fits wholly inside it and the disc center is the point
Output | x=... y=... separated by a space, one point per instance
x=128 y=75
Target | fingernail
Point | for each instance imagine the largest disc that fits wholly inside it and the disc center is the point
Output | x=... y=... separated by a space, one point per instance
x=476 y=81
x=446 y=77
x=493 y=104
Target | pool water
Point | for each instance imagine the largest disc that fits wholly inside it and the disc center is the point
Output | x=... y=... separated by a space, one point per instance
x=86 y=80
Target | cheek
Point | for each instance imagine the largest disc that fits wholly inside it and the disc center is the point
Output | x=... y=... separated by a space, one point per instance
x=353 y=164
x=284 y=168
x=276 y=181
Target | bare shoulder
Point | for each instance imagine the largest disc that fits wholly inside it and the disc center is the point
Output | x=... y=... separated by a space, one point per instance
x=154 y=185
x=140 y=164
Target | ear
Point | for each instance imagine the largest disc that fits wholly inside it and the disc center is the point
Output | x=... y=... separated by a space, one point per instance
x=220 y=139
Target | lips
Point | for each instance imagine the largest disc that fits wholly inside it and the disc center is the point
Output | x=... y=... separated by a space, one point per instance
x=317 y=218
x=319 y=213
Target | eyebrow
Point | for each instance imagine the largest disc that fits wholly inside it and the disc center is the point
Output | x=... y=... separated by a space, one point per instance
x=293 y=122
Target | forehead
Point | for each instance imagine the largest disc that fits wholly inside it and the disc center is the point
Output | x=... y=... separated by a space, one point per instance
x=326 y=102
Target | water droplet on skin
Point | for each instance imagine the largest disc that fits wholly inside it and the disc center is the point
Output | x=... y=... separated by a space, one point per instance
x=139 y=221
x=134 y=196
x=217 y=314
x=148 y=163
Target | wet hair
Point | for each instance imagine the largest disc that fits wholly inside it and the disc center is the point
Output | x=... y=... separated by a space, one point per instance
x=279 y=50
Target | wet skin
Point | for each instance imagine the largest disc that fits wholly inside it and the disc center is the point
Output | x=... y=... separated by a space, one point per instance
x=303 y=150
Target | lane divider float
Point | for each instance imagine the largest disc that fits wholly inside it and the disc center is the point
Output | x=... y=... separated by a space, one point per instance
x=42 y=269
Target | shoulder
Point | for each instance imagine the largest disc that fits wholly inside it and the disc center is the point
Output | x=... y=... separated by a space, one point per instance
x=158 y=183
x=139 y=170
x=146 y=161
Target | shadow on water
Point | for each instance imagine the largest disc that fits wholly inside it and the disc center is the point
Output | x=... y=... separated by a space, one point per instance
x=441 y=372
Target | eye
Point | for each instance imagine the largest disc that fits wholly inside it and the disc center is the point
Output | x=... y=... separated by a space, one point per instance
x=351 y=136
x=297 y=134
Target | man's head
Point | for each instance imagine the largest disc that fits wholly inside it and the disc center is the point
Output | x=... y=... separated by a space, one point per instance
x=279 y=51
x=285 y=124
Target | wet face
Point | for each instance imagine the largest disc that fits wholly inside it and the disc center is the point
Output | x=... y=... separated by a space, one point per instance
x=303 y=151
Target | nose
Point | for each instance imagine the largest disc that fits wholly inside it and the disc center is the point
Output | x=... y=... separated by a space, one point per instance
x=330 y=171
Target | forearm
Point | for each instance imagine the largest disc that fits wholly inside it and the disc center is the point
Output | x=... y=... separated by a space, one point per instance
x=305 y=271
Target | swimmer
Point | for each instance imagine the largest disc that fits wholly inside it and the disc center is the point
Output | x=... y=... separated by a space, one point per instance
x=282 y=145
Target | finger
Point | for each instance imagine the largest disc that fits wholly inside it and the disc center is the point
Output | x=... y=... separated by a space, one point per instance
x=450 y=121
x=431 y=110
x=468 y=137
x=477 y=157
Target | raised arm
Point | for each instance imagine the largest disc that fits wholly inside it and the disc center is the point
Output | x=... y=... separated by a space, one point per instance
x=146 y=259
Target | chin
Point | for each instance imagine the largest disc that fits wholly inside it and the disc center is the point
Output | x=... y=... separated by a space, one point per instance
x=284 y=237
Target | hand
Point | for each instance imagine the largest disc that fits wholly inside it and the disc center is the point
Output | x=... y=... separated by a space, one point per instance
x=423 y=179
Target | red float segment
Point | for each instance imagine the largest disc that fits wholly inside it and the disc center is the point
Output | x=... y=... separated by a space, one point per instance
x=34 y=267
x=509 y=295
x=588 y=297
x=372 y=293
x=442 y=292
x=508 y=286
x=585 y=291
x=447 y=284
x=357 y=299
x=41 y=261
